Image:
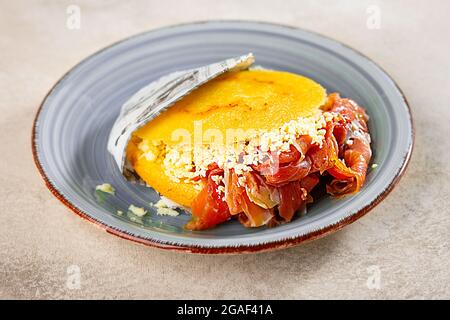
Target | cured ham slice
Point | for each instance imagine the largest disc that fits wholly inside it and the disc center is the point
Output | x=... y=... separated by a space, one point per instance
x=281 y=184
x=208 y=208
x=349 y=172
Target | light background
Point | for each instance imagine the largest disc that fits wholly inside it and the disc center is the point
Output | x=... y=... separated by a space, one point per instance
x=407 y=236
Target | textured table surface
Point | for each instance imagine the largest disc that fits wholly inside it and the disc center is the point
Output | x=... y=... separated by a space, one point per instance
x=399 y=250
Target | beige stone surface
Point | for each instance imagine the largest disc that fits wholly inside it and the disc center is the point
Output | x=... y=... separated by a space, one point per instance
x=406 y=237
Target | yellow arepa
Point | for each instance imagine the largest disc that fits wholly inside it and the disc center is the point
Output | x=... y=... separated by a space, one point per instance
x=258 y=99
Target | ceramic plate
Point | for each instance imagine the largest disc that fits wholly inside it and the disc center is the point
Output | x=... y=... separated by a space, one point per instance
x=72 y=126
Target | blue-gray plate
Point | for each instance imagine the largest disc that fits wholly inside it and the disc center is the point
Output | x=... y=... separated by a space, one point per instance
x=72 y=126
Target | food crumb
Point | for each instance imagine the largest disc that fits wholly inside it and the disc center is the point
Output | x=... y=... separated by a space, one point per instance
x=166 y=203
x=106 y=187
x=167 y=212
x=166 y=207
x=119 y=212
x=140 y=212
x=374 y=166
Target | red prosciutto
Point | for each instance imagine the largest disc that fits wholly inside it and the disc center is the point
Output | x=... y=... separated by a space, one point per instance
x=208 y=208
x=292 y=165
x=239 y=202
x=353 y=147
x=278 y=187
x=294 y=196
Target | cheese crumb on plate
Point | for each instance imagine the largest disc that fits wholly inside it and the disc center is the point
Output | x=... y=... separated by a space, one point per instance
x=140 y=212
x=106 y=187
x=166 y=207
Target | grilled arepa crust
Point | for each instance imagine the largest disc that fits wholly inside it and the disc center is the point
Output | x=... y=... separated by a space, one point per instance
x=257 y=99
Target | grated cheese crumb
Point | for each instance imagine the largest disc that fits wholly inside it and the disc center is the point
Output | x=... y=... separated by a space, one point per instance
x=167 y=212
x=221 y=190
x=140 y=212
x=166 y=207
x=183 y=162
x=106 y=187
